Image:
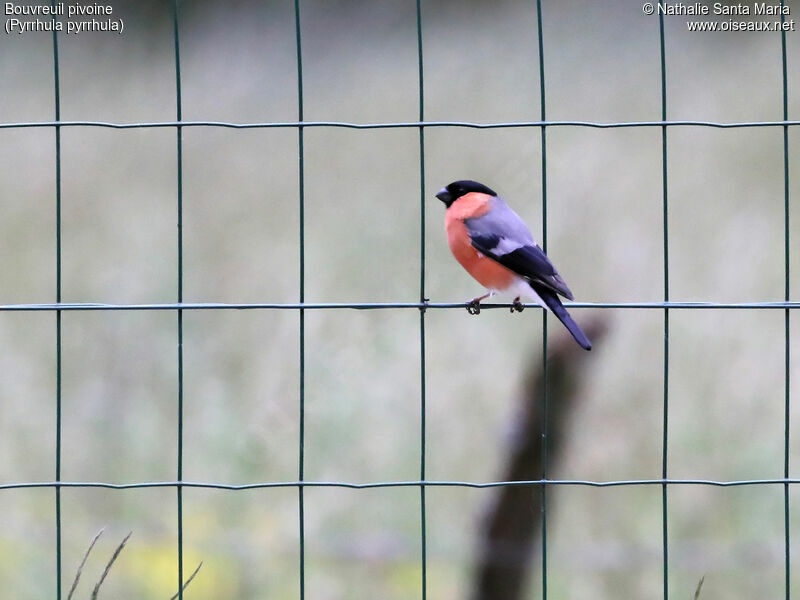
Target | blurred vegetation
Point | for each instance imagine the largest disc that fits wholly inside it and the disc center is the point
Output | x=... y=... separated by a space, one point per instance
x=362 y=231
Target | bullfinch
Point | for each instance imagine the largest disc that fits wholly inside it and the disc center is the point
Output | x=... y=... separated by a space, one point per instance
x=496 y=247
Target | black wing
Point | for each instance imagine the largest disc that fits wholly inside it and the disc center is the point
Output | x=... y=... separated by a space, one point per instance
x=528 y=261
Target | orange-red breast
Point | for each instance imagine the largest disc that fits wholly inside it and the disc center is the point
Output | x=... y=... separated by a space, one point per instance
x=496 y=247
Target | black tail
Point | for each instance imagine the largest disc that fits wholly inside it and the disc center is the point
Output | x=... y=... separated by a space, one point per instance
x=554 y=304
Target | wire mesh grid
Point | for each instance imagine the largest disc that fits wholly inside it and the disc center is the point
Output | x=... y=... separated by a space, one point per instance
x=301 y=483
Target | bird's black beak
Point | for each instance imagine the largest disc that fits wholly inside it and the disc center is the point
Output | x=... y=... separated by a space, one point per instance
x=445 y=197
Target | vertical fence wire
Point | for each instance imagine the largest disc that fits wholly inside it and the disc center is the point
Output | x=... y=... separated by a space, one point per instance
x=422 y=299
x=302 y=315
x=787 y=345
x=665 y=218
x=57 y=108
x=542 y=107
x=179 y=168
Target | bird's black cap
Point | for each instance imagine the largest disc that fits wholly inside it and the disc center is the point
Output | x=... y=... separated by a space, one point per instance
x=455 y=190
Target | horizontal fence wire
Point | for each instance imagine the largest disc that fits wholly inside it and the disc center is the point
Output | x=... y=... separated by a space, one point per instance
x=395 y=484
x=400 y=124
x=90 y=306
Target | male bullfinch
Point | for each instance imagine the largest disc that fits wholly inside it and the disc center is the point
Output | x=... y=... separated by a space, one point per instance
x=496 y=247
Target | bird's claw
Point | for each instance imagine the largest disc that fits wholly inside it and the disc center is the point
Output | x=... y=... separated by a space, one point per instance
x=474 y=307
x=517 y=306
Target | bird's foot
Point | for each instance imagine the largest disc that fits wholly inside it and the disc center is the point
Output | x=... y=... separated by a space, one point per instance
x=517 y=306
x=474 y=307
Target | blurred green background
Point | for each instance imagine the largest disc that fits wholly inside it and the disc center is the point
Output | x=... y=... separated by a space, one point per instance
x=362 y=220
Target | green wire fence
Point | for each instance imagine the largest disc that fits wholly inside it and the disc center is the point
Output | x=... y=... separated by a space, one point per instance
x=421 y=306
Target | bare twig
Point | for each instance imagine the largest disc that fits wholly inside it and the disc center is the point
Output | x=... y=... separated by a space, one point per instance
x=699 y=587
x=83 y=562
x=108 y=566
x=188 y=581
